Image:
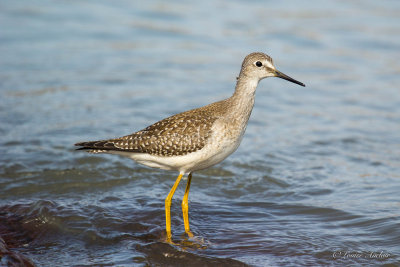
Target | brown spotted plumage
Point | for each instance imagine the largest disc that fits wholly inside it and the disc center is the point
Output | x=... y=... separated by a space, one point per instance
x=177 y=135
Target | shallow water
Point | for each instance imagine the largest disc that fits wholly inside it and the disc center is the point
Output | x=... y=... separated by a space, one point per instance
x=314 y=182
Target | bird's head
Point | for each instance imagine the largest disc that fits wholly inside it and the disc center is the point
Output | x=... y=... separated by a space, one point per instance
x=259 y=66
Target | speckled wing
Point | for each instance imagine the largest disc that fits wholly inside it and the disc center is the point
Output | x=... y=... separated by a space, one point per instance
x=176 y=135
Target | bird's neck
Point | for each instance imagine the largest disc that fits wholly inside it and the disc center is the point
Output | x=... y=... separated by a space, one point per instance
x=242 y=100
x=245 y=87
x=245 y=91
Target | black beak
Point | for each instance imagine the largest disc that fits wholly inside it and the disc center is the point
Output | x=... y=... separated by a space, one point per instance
x=287 y=78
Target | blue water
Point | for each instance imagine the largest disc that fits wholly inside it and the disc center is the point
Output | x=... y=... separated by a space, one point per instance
x=315 y=182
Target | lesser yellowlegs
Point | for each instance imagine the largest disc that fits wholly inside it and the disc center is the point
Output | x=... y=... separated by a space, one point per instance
x=198 y=138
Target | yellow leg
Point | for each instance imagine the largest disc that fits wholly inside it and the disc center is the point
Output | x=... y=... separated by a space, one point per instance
x=168 y=206
x=185 y=206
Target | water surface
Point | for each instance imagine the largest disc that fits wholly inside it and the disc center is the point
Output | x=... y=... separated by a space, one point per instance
x=315 y=181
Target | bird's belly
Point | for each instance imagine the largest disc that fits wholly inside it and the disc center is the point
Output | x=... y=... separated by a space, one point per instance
x=223 y=142
x=201 y=159
x=217 y=152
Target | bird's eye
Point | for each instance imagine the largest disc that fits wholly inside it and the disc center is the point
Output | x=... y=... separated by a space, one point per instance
x=258 y=64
